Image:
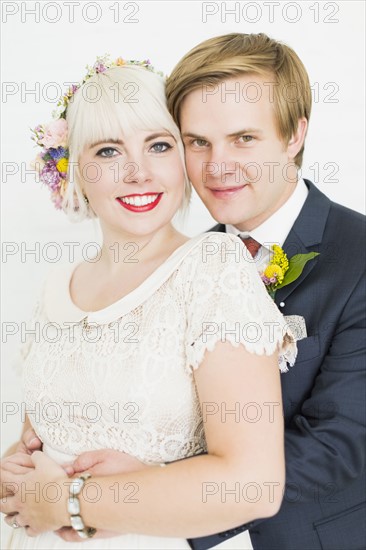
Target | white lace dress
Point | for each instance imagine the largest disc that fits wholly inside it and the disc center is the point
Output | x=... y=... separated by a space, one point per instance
x=122 y=377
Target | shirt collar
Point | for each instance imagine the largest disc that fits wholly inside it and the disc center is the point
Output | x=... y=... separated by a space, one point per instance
x=275 y=229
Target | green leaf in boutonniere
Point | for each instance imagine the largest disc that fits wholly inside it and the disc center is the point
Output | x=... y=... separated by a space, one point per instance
x=281 y=271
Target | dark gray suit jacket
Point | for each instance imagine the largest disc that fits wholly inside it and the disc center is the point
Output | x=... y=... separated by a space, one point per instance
x=324 y=393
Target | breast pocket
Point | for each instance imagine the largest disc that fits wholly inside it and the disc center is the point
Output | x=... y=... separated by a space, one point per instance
x=344 y=530
x=308 y=348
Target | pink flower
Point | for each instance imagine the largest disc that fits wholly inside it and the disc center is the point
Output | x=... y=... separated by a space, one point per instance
x=55 y=134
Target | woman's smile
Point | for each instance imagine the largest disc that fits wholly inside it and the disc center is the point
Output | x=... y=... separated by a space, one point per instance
x=139 y=202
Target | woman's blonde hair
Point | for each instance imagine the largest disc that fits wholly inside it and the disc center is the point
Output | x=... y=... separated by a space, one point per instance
x=230 y=55
x=109 y=105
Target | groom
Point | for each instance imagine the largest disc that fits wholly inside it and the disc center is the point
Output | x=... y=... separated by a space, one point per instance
x=243 y=104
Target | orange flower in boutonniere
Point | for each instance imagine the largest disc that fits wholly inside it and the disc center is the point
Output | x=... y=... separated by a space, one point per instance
x=281 y=271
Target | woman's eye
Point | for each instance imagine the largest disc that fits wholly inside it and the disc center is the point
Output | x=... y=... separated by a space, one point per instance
x=160 y=147
x=107 y=152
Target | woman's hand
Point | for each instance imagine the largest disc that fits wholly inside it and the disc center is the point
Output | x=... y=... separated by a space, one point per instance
x=101 y=462
x=39 y=501
x=70 y=535
x=15 y=464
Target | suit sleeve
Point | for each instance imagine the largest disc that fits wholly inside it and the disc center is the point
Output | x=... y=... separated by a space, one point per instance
x=325 y=444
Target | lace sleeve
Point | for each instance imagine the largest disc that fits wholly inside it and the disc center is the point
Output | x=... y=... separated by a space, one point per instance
x=227 y=301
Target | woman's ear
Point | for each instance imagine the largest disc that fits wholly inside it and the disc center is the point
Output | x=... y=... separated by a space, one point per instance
x=297 y=139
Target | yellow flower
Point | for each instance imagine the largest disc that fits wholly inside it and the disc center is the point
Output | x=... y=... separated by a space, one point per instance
x=120 y=62
x=62 y=165
x=279 y=258
x=273 y=270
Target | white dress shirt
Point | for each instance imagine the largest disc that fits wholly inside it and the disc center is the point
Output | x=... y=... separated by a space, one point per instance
x=275 y=229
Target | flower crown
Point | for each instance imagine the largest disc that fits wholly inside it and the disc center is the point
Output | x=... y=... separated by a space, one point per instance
x=52 y=162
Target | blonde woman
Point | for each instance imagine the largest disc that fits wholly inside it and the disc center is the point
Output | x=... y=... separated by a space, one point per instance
x=165 y=340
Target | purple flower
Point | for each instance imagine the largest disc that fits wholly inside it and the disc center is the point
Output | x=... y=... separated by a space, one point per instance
x=265 y=280
x=57 y=154
x=100 y=68
x=50 y=175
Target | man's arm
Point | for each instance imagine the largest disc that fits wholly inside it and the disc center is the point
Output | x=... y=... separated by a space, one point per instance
x=325 y=445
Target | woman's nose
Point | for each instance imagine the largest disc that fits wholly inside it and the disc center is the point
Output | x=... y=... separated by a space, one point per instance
x=136 y=172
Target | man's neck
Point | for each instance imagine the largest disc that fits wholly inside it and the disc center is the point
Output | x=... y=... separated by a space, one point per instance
x=275 y=228
x=250 y=225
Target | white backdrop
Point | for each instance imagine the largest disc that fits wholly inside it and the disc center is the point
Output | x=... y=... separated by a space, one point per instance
x=51 y=42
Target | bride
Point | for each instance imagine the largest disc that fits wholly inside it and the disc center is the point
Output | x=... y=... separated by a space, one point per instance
x=163 y=343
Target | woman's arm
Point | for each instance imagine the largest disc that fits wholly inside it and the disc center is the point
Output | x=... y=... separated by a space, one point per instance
x=240 y=479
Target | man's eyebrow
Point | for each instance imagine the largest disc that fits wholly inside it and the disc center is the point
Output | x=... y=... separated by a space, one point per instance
x=246 y=131
x=233 y=134
x=191 y=135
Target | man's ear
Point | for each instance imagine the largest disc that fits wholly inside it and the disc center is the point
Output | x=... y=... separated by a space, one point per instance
x=297 y=139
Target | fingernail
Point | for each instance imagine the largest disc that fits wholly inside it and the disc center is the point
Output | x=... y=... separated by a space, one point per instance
x=33 y=440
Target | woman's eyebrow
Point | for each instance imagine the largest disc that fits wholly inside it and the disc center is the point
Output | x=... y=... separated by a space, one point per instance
x=116 y=141
x=157 y=135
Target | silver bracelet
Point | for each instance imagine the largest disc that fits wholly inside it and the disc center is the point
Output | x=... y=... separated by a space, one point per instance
x=73 y=507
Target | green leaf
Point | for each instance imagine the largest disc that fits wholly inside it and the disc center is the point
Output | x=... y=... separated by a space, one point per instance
x=296 y=266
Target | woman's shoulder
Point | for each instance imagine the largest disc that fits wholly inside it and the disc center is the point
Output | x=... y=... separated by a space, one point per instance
x=213 y=241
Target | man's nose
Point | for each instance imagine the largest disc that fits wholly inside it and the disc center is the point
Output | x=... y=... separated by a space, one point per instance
x=221 y=165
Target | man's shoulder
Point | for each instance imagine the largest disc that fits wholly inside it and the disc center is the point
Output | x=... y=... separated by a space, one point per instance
x=337 y=211
x=345 y=225
x=324 y=220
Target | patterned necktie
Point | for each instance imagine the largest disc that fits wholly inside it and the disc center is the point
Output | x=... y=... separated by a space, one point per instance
x=252 y=245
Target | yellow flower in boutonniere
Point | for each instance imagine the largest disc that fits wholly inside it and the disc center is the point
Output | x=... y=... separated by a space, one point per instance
x=281 y=271
x=274 y=273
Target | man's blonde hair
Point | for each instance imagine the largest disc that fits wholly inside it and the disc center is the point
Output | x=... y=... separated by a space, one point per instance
x=230 y=55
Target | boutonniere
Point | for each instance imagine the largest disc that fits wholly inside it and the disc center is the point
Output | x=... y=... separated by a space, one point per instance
x=282 y=271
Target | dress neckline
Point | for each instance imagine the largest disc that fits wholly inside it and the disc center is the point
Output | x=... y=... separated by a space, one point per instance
x=60 y=307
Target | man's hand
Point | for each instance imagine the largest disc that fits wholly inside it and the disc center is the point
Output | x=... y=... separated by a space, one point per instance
x=105 y=462
x=29 y=442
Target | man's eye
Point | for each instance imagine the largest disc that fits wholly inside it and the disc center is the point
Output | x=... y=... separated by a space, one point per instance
x=199 y=142
x=107 y=152
x=245 y=139
x=160 y=147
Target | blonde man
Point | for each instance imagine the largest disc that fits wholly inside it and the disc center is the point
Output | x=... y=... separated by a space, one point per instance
x=243 y=102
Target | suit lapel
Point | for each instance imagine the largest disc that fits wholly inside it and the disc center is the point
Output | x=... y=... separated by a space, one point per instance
x=292 y=246
x=306 y=236
x=220 y=227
